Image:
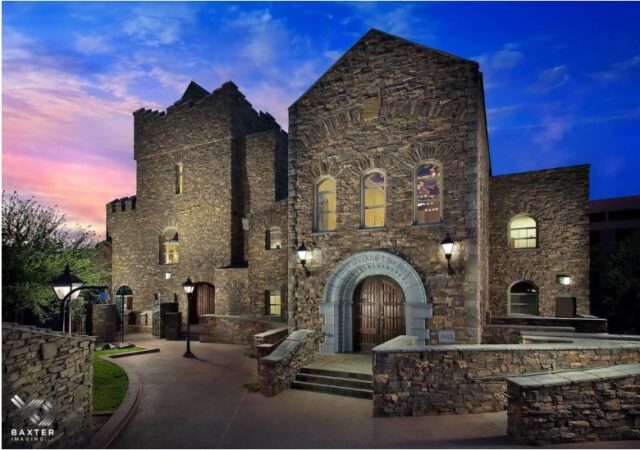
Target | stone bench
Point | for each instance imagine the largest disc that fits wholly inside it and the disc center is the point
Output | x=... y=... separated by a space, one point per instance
x=575 y=406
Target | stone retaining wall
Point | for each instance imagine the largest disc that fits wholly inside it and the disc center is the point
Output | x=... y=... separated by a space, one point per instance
x=590 y=405
x=461 y=379
x=233 y=329
x=39 y=364
x=278 y=370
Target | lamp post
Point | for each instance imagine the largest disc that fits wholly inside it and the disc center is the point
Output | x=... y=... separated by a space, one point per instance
x=447 y=247
x=302 y=254
x=67 y=287
x=188 y=289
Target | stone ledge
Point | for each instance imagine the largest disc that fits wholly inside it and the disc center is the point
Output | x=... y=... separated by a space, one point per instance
x=578 y=376
x=578 y=345
x=12 y=326
x=400 y=342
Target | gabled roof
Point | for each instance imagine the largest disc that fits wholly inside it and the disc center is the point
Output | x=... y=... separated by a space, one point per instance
x=382 y=34
x=193 y=92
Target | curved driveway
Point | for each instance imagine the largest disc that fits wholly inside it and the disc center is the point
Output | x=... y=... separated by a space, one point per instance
x=203 y=404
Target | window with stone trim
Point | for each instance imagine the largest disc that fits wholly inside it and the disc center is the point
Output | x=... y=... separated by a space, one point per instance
x=179 y=180
x=273 y=302
x=373 y=200
x=428 y=193
x=523 y=232
x=523 y=298
x=169 y=246
x=325 y=205
x=274 y=238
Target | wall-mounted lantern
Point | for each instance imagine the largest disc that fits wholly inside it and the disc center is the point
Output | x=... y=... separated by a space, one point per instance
x=563 y=280
x=447 y=247
x=303 y=254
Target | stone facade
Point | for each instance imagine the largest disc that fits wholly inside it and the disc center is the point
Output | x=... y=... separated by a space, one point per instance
x=233 y=165
x=387 y=104
x=233 y=329
x=591 y=405
x=362 y=115
x=53 y=367
x=465 y=379
x=558 y=199
x=104 y=317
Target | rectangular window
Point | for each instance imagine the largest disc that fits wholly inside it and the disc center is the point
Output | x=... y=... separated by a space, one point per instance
x=179 y=178
x=170 y=253
x=274 y=303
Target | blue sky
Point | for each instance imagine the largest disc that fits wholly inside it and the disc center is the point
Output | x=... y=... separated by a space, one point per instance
x=562 y=80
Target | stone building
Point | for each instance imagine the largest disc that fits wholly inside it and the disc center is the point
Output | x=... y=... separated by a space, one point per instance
x=387 y=156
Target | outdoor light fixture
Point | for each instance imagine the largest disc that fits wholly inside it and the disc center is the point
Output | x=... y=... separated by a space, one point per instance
x=167 y=275
x=564 y=280
x=66 y=286
x=447 y=247
x=103 y=296
x=188 y=287
x=302 y=254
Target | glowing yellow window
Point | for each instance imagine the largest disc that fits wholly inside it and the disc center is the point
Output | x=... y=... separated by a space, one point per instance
x=274 y=303
x=523 y=232
x=178 y=170
x=170 y=245
x=325 y=205
x=373 y=199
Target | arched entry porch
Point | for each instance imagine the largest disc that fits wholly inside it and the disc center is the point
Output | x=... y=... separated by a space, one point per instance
x=337 y=305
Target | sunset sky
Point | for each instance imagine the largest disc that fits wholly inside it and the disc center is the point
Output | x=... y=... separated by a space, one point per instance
x=562 y=81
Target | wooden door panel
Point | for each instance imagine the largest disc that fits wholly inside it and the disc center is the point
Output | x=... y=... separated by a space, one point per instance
x=378 y=312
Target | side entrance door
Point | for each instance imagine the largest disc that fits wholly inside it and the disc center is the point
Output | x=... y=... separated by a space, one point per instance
x=378 y=312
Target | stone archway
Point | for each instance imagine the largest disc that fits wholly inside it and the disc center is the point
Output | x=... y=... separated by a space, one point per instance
x=337 y=305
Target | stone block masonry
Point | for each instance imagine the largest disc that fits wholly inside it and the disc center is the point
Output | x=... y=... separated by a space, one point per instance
x=589 y=405
x=233 y=329
x=51 y=366
x=462 y=379
x=278 y=370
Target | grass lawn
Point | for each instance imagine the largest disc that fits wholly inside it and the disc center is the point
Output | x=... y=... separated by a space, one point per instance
x=110 y=382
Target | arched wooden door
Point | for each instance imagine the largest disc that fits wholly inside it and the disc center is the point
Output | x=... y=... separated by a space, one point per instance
x=203 y=301
x=378 y=312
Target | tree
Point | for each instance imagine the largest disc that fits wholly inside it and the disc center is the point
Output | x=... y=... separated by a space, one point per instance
x=36 y=245
x=620 y=268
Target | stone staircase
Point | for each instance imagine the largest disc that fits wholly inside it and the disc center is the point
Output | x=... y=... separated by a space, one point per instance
x=336 y=382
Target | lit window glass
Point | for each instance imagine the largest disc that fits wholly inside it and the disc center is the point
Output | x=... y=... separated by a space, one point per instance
x=274 y=238
x=325 y=204
x=523 y=232
x=373 y=200
x=274 y=305
x=179 y=178
x=428 y=193
x=170 y=244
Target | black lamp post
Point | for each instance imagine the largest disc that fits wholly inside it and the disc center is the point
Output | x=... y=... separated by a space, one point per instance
x=66 y=286
x=447 y=246
x=188 y=289
x=302 y=254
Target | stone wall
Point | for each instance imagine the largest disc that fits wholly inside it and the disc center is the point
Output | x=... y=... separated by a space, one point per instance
x=53 y=367
x=104 y=326
x=207 y=132
x=462 y=379
x=590 y=405
x=267 y=268
x=233 y=329
x=390 y=104
x=278 y=370
x=558 y=199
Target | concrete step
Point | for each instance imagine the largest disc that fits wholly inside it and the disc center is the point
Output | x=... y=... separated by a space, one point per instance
x=335 y=390
x=335 y=381
x=336 y=373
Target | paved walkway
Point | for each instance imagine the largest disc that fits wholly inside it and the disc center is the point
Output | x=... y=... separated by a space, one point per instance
x=202 y=404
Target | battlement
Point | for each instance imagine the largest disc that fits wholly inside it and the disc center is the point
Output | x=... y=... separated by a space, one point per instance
x=120 y=205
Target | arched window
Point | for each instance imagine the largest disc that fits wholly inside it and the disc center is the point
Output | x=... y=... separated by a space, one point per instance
x=523 y=298
x=274 y=238
x=169 y=242
x=124 y=296
x=523 y=232
x=373 y=200
x=325 y=205
x=428 y=193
